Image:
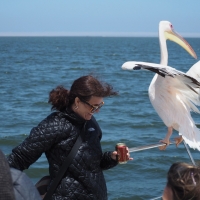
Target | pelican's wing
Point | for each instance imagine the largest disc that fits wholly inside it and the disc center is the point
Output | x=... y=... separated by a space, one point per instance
x=188 y=85
x=163 y=71
x=194 y=71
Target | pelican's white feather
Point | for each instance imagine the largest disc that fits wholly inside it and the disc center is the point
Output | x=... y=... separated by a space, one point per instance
x=194 y=71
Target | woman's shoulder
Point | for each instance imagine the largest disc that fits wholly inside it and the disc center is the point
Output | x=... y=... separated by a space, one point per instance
x=55 y=118
x=61 y=121
x=56 y=122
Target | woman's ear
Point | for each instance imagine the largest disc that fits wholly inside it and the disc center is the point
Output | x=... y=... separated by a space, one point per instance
x=77 y=101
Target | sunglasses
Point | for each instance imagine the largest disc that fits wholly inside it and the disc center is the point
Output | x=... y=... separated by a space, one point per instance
x=93 y=108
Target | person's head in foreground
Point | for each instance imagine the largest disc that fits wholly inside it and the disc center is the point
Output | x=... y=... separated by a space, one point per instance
x=183 y=182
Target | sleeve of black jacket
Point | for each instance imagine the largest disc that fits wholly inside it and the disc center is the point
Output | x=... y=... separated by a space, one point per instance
x=40 y=140
x=107 y=162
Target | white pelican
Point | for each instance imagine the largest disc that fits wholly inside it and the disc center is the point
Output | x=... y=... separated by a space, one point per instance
x=173 y=93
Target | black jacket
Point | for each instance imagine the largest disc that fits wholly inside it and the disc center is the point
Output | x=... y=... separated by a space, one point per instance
x=55 y=136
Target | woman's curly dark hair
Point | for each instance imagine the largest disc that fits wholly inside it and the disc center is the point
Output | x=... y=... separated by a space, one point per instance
x=184 y=181
x=84 y=87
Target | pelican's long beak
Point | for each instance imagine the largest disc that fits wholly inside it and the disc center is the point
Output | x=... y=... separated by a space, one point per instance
x=175 y=37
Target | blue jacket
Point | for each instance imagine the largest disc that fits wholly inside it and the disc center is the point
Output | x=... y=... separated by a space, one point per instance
x=14 y=184
x=24 y=189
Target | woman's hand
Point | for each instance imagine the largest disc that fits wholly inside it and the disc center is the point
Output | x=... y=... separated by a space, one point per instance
x=128 y=154
x=114 y=155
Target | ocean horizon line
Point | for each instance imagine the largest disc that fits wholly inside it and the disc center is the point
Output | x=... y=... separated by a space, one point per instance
x=89 y=34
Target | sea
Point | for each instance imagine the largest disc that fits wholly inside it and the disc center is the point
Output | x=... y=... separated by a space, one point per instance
x=32 y=66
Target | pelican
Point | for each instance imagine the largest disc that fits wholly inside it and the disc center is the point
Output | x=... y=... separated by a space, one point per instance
x=173 y=94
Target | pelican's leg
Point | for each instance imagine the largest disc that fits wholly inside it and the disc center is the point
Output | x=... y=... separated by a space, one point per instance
x=166 y=139
x=178 y=140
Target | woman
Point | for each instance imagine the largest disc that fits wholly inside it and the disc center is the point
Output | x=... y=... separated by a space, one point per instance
x=57 y=134
x=183 y=182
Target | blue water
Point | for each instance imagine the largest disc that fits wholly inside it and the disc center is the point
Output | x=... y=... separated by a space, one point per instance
x=32 y=66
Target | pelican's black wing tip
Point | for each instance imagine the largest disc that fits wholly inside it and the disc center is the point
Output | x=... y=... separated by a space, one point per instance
x=137 y=67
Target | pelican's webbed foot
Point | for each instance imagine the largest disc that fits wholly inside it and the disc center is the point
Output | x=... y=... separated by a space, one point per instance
x=166 y=142
x=178 y=140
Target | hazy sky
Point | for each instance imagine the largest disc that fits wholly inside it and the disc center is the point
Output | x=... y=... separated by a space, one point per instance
x=98 y=17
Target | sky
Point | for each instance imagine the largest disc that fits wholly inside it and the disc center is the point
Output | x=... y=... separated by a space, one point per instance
x=97 y=17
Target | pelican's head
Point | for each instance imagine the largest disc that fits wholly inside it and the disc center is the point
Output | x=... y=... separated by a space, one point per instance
x=167 y=28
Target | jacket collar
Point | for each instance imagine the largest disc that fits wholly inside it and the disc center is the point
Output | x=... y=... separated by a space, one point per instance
x=73 y=116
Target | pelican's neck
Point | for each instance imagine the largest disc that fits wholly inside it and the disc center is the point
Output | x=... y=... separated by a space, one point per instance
x=163 y=49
